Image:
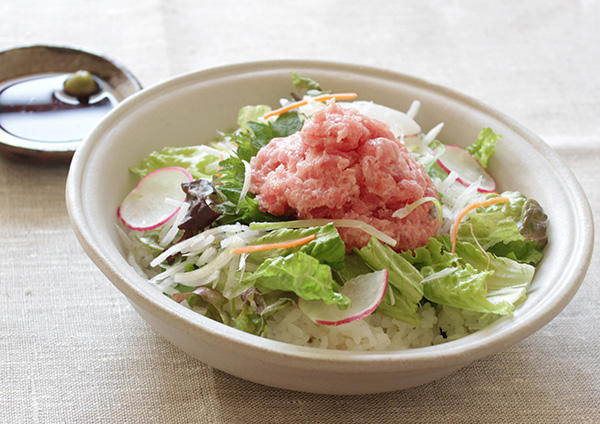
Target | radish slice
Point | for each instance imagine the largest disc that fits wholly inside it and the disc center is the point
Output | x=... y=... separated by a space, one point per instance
x=155 y=199
x=365 y=292
x=401 y=124
x=468 y=169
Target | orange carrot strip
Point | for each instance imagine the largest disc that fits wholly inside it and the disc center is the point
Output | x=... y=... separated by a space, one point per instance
x=468 y=209
x=270 y=246
x=321 y=98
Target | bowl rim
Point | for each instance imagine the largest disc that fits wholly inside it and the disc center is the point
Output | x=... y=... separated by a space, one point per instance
x=455 y=353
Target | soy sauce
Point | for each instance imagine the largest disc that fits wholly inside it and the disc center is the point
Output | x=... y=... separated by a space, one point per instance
x=37 y=109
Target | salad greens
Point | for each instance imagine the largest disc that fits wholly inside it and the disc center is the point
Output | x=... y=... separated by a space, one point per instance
x=196 y=159
x=484 y=147
x=488 y=271
x=328 y=247
x=516 y=230
x=300 y=273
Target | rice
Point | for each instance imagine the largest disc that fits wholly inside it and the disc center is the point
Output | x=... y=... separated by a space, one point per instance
x=377 y=331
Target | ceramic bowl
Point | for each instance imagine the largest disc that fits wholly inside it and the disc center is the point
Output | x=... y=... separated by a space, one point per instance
x=189 y=109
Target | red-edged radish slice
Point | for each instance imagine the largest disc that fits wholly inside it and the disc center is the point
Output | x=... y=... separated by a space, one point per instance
x=155 y=199
x=468 y=169
x=365 y=292
x=401 y=124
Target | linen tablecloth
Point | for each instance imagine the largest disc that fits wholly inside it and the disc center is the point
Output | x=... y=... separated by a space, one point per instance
x=73 y=350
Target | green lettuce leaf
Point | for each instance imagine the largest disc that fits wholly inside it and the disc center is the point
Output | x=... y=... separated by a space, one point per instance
x=353 y=267
x=401 y=308
x=250 y=322
x=304 y=84
x=401 y=274
x=433 y=169
x=327 y=247
x=484 y=147
x=434 y=255
x=299 y=273
x=150 y=239
x=251 y=113
x=478 y=281
x=516 y=230
x=510 y=279
x=190 y=158
x=521 y=251
x=404 y=279
x=464 y=288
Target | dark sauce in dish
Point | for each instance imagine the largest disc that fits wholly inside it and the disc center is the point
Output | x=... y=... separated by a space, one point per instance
x=37 y=109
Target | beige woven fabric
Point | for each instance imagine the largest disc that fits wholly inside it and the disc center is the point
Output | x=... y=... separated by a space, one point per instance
x=73 y=350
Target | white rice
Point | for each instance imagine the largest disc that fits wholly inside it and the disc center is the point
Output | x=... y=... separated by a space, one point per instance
x=377 y=331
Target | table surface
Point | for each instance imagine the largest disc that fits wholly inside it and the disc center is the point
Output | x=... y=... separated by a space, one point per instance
x=72 y=349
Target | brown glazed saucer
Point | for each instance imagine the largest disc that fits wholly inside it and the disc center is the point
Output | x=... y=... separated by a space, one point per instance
x=38 y=120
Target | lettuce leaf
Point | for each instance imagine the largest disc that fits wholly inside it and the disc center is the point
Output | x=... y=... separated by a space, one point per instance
x=401 y=274
x=484 y=147
x=403 y=278
x=305 y=85
x=516 y=230
x=465 y=288
x=299 y=273
x=401 y=308
x=510 y=279
x=433 y=169
x=434 y=254
x=251 y=113
x=191 y=158
x=250 y=322
x=327 y=247
x=353 y=267
x=470 y=279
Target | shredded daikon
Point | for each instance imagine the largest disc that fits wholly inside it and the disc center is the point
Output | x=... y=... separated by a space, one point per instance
x=406 y=210
x=179 y=217
x=246 y=185
x=433 y=133
x=413 y=109
x=170 y=271
x=182 y=246
x=216 y=264
x=206 y=256
x=304 y=223
x=230 y=283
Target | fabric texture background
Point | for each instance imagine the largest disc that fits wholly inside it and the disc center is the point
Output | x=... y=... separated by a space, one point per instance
x=72 y=349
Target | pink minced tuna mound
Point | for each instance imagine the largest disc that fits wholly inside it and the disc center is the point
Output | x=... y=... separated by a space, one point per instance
x=343 y=164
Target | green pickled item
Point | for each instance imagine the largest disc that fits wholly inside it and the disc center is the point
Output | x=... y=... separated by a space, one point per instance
x=80 y=84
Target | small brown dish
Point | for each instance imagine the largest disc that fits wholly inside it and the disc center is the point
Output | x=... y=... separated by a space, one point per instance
x=40 y=119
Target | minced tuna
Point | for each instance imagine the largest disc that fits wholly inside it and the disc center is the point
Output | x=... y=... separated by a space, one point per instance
x=343 y=164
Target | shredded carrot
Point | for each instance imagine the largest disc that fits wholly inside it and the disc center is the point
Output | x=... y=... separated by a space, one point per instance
x=468 y=209
x=321 y=98
x=270 y=246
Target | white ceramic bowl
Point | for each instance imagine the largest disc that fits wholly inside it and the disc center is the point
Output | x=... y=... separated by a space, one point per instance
x=188 y=109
